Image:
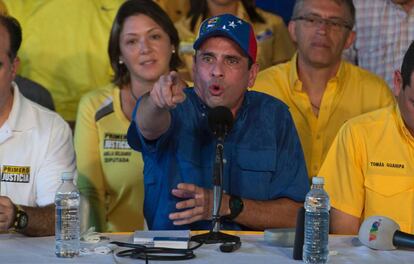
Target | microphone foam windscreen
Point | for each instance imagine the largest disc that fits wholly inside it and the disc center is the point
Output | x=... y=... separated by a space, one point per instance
x=377 y=232
x=220 y=120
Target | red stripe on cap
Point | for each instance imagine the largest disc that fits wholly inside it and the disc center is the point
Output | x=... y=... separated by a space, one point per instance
x=252 y=44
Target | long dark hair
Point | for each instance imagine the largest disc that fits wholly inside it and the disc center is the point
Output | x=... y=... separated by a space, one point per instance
x=199 y=8
x=132 y=8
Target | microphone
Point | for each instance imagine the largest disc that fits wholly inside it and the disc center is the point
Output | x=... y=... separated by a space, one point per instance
x=220 y=121
x=383 y=233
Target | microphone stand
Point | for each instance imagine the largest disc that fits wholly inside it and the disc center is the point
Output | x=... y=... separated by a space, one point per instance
x=214 y=236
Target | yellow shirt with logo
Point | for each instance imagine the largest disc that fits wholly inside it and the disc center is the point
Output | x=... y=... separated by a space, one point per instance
x=369 y=169
x=274 y=44
x=64 y=46
x=353 y=91
x=110 y=172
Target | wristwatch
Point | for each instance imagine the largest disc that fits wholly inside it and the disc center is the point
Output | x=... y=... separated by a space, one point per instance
x=21 y=219
x=236 y=207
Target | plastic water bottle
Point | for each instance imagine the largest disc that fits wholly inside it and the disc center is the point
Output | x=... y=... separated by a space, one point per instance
x=315 y=247
x=67 y=228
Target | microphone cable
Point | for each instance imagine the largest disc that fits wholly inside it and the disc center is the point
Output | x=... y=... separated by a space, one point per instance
x=155 y=253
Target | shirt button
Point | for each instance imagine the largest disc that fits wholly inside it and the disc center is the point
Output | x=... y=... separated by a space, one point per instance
x=318 y=137
x=224 y=161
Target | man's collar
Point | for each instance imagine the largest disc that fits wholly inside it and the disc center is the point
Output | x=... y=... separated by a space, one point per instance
x=401 y=124
x=21 y=116
x=204 y=108
x=296 y=84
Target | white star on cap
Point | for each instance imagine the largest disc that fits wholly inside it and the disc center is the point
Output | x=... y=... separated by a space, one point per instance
x=232 y=24
x=224 y=27
x=240 y=22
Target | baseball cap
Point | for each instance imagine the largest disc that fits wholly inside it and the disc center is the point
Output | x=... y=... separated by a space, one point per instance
x=232 y=27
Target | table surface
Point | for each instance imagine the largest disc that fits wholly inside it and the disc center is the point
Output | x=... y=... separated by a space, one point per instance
x=15 y=248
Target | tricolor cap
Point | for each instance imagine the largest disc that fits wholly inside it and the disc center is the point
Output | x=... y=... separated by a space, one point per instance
x=231 y=27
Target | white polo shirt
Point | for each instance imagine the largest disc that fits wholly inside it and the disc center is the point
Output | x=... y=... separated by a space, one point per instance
x=35 y=148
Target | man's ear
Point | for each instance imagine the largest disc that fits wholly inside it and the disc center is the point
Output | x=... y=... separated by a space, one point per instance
x=254 y=70
x=350 y=39
x=15 y=66
x=397 y=83
x=193 y=67
x=292 y=30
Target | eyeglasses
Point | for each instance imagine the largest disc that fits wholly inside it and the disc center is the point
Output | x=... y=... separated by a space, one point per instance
x=335 y=24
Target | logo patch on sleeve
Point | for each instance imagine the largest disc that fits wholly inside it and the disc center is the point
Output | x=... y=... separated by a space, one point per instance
x=17 y=174
x=262 y=36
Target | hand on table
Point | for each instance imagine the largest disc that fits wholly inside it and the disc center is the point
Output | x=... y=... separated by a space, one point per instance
x=199 y=204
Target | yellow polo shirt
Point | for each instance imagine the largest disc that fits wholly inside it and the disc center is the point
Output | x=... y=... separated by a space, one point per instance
x=65 y=45
x=369 y=169
x=274 y=44
x=110 y=173
x=353 y=91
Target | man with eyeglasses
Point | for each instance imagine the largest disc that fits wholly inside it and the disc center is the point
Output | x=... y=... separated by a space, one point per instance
x=382 y=36
x=321 y=90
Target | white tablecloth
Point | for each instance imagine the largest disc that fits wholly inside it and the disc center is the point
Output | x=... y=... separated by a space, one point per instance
x=15 y=248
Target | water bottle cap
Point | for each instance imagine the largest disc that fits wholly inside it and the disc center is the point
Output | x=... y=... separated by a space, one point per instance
x=67 y=176
x=318 y=180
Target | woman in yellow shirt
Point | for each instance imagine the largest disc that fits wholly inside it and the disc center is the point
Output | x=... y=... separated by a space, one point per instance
x=142 y=47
